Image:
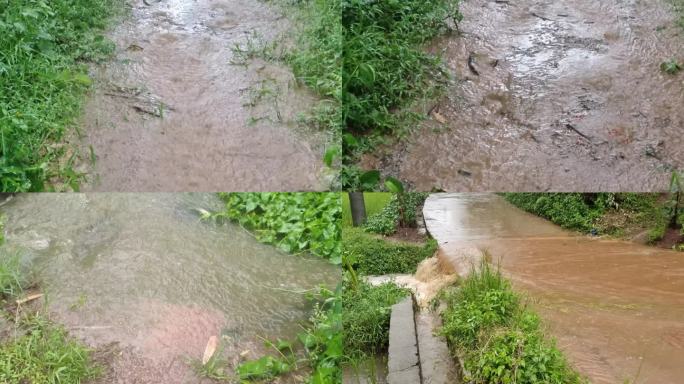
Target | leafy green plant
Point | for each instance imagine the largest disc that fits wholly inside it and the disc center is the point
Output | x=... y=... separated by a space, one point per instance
x=321 y=342
x=293 y=222
x=671 y=67
x=43 y=79
x=371 y=255
x=569 y=210
x=400 y=211
x=499 y=338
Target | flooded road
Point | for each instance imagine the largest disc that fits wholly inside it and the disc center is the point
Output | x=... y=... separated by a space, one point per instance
x=171 y=113
x=562 y=94
x=143 y=272
x=616 y=308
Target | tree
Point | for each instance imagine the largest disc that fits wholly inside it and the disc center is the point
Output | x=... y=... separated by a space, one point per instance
x=358 y=208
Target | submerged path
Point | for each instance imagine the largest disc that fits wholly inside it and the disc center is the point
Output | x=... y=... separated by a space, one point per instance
x=170 y=113
x=141 y=275
x=615 y=307
x=562 y=94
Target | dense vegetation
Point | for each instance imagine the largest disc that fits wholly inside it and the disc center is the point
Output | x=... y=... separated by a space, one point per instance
x=499 y=338
x=371 y=255
x=43 y=79
x=615 y=214
x=385 y=67
x=374 y=201
x=293 y=222
x=400 y=210
x=40 y=351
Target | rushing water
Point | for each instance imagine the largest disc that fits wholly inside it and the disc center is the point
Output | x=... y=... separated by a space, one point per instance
x=569 y=96
x=616 y=308
x=143 y=271
x=171 y=113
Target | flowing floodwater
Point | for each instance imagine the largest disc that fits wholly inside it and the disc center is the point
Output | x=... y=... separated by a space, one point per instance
x=616 y=308
x=569 y=95
x=171 y=113
x=143 y=274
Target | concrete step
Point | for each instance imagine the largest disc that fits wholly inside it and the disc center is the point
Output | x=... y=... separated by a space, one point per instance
x=416 y=355
x=402 y=363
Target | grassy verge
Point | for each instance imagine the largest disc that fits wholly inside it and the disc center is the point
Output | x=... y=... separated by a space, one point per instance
x=293 y=222
x=501 y=340
x=386 y=70
x=371 y=255
x=375 y=202
x=43 y=77
x=615 y=214
x=35 y=349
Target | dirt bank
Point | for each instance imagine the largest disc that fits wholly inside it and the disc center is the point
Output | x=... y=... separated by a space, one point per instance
x=552 y=95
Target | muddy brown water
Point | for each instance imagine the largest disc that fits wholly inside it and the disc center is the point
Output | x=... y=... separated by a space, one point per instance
x=143 y=272
x=170 y=113
x=615 y=307
x=569 y=97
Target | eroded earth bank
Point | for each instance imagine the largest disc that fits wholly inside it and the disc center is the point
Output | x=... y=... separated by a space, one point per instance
x=179 y=108
x=549 y=94
x=616 y=308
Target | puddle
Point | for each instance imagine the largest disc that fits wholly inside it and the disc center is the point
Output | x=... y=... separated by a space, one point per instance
x=142 y=271
x=569 y=96
x=170 y=112
x=616 y=308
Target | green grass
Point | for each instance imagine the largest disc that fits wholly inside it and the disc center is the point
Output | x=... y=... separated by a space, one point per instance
x=375 y=202
x=43 y=77
x=386 y=68
x=500 y=339
x=45 y=354
x=366 y=316
x=12 y=279
x=371 y=255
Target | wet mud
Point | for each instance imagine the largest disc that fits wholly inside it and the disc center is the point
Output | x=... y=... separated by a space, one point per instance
x=616 y=308
x=552 y=95
x=178 y=109
x=146 y=283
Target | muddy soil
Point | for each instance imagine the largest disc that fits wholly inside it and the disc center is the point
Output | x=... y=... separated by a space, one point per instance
x=616 y=308
x=563 y=95
x=171 y=113
x=142 y=280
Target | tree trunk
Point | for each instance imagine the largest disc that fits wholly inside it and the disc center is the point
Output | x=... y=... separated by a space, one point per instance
x=358 y=208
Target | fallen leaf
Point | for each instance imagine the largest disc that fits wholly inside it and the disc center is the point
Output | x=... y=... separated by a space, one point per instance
x=209 y=351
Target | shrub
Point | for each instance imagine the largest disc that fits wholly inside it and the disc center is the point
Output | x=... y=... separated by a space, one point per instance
x=386 y=221
x=569 y=210
x=374 y=256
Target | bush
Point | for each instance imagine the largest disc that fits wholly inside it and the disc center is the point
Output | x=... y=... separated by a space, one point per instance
x=386 y=221
x=569 y=210
x=500 y=340
x=370 y=255
x=366 y=316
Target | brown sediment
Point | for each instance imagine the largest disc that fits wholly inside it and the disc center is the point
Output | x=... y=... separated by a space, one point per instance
x=171 y=113
x=615 y=307
x=568 y=96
